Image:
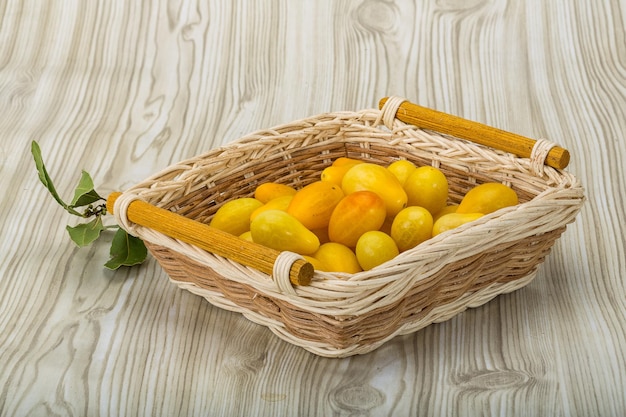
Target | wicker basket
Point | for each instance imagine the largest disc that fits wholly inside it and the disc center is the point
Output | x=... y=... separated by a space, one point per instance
x=337 y=314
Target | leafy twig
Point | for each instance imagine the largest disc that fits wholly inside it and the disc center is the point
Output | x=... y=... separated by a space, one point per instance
x=126 y=250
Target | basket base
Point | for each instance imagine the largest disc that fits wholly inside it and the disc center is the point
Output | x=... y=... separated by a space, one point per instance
x=450 y=290
x=436 y=315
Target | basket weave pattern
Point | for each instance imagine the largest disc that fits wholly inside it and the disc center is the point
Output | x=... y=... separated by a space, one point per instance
x=339 y=314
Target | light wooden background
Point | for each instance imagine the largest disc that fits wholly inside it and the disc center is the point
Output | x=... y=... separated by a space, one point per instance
x=124 y=88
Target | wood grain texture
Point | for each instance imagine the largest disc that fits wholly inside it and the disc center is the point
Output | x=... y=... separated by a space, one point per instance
x=123 y=89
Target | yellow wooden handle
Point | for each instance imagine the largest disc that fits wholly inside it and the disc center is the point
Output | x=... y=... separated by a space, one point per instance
x=211 y=239
x=426 y=118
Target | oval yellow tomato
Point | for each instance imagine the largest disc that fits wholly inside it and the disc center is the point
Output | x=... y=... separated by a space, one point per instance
x=334 y=173
x=372 y=177
x=412 y=226
x=356 y=213
x=335 y=257
x=375 y=248
x=446 y=210
x=402 y=169
x=246 y=236
x=343 y=161
x=338 y=169
x=453 y=220
x=427 y=187
x=487 y=198
x=234 y=216
x=271 y=190
x=317 y=265
x=314 y=204
x=322 y=234
x=278 y=203
x=279 y=230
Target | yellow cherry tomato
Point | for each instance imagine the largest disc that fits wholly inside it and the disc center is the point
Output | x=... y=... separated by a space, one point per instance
x=412 y=226
x=375 y=248
x=314 y=204
x=427 y=187
x=270 y=190
x=453 y=220
x=487 y=198
x=234 y=216
x=335 y=257
x=279 y=230
x=356 y=213
x=376 y=178
x=402 y=169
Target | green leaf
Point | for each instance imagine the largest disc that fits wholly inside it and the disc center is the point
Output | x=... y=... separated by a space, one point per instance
x=45 y=178
x=85 y=193
x=126 y=250
x=85 y=233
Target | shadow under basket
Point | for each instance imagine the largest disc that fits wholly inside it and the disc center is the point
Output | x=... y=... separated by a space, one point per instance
x=337 y=314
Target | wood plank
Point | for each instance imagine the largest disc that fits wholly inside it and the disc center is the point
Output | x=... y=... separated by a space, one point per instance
x=124 y=89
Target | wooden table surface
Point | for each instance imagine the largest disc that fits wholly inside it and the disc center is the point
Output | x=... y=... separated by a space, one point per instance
x=124 y=89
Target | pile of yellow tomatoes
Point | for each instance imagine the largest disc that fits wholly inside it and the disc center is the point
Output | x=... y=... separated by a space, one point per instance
x=358 y=215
